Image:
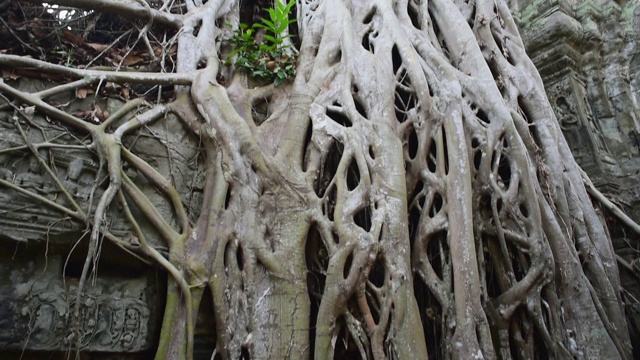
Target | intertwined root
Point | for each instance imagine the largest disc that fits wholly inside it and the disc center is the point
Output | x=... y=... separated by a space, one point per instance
x=408 y=194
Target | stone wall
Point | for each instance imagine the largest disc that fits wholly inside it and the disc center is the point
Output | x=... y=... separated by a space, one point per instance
x=588 y=54
x=42 y=251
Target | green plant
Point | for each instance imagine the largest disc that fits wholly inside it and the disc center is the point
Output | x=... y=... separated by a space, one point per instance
x=269 y=58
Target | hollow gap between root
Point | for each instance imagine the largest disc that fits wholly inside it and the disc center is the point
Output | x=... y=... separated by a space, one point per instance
x=345 y=346
x=431 y=318
x=330 y=167
x=436 y=205
x=412 y=12
x=227 y=198
x=435 y=246
x=347 y=266
x=491 y=277
x=339 y=118
x=366 y=42
x=260 y=111
x=363 y=218
x=204 y=342
x=377 y=272
x=431 y=157
x=316 y=259
x=306 y=149
x=353 y=175
x=396 y=59
x=413 y=143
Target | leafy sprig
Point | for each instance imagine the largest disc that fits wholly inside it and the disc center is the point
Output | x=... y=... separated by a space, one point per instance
x=269 y=59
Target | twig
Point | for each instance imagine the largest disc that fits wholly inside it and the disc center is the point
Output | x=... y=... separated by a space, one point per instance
x=615 y=210
x=99 y=75
x=124 y=8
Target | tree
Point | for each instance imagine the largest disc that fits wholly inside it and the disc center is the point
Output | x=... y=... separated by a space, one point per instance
x=408 y=193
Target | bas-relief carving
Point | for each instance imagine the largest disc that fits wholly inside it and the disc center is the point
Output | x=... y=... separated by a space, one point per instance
x=583 y=134
x=37 y=307
x=596 y=40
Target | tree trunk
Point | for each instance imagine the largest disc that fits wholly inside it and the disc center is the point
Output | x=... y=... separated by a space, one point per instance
x=408 y=194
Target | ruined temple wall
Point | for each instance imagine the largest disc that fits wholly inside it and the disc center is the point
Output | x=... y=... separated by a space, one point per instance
x=588 y=54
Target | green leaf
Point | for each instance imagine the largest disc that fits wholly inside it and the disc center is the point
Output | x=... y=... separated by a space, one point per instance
x=272 y=39
x=268 y=24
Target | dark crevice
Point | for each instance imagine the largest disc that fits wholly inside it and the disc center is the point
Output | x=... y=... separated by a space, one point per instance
x=336 y=57
x=227 y=198
x=330 y=166
x=435 y=245
x=472 y=16
x=413 y=143
x=416 y=191
x=353 y=175
x=260 y=110
x=436 y=205
x=477 y=159
x=339 y=118
x=491 y=272
x=446 y=152
x=519 y=260
x=396 y=59
x=363 y=218
x=306 y=148
x=377 y=273
x=293 y=28
x=204 y=342
x=524 y=111
x=367 y=19
x=244 y=353
x=413 y=14
x=225 y=260
x=359 y=108
x=347 y=266
x=404 y=101
x=431 y=318
x=504 y=171
x=414 y=222
x=240 y=258
x=345 y=346
x=374 y=307
x=330 y=202
x=366 y=41
x=316 y=258
x=524 y=210
x=480 y=114
x=431 y=157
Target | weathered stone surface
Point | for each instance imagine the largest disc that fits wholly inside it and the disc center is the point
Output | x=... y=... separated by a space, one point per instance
x=38 y=299
x=588 y=56
x=42 y=250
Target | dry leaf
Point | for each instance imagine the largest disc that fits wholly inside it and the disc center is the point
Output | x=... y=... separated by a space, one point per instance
x=132 y=60
x=9 y=74
x=29 y=111
x=99 y=114
x=38 y=29
x=15 y=22
x=72 y=38
x=125 y=92
x=83 y=92
x=97 y=46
